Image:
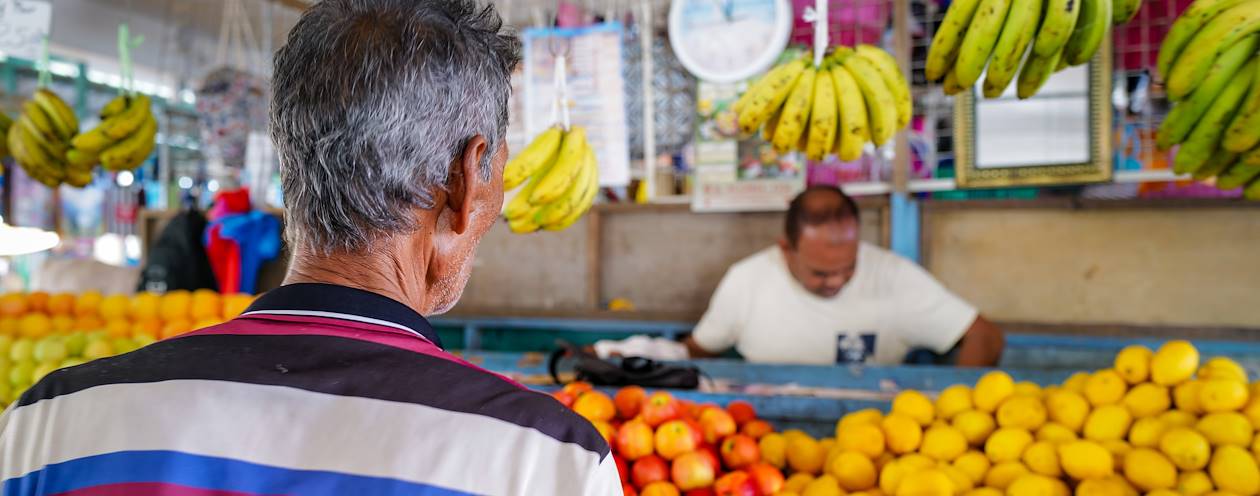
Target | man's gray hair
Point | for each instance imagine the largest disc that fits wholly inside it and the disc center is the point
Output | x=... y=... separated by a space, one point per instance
x=372 y=101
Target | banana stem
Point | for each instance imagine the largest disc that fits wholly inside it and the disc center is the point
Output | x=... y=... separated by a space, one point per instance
x=818 y=16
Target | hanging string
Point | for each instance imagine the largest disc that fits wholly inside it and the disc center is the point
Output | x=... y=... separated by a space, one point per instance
x=126 y=70
x=45 y=69
x=817 y=15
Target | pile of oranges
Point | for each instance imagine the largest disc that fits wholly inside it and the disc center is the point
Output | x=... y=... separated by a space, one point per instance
x=144 y=316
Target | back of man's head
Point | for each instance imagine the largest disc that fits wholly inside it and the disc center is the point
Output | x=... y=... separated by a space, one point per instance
x=372 y=102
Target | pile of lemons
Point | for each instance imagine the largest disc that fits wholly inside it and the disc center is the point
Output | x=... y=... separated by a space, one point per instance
x=1157 y=423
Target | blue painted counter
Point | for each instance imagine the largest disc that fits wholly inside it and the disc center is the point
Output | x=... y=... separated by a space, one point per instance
x=1054 y=352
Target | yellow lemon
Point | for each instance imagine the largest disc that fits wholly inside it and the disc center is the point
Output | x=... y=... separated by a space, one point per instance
x=1105 y=387
x=944 y=443
x=1186 y=396
x=1174 y=363
x=1222 y=368
x=1252 y=412
x=1226 y=428
x=867 y=439
x=1187 y=449
x=1178 y=418
x=991 y=390
x=1222 y=395
x=890 y=477
x=1022 y=411
x=853 y=470
x=114 y=307
x=1055 y=432
x=984 y=491
x=1147 y=399
x=915 y=405
x=1086 y=460
x=824 y=485
x=1003 y=474
x=773 y=449
x=827 y=443
x=797 y=482
x=1147 y=432
x=1118 y=448
x=1027 y=388
x=1042 y=457
x=88 y=303
x=902 y=434
x=962 y=482
x=1149 y=470
x=915 y=461
x=930 y=482
x=144 y=306
x=1105 y=487
x=1007 y=444
x=975 y=426
x=1234 y=469
x=1067 y=408
x=1196 y=483
x=1076 y=382
x=1107 y=422
x=974 y=464
x=864 y=416
x=1133 y=363
x=953 y=400
x=1163 y=492
x=804 y=454
x=175 y=305
x=1036 y=485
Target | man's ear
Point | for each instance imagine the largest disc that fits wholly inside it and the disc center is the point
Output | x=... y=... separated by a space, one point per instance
x=464 y=185
x=784 y=245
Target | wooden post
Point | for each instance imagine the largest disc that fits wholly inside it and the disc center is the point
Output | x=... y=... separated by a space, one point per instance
x=902 y=50
x=594 y=235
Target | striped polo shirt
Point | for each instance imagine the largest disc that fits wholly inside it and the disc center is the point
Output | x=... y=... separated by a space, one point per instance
x=315 y=389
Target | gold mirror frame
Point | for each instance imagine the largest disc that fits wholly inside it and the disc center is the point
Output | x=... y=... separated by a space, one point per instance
x=1097 y=169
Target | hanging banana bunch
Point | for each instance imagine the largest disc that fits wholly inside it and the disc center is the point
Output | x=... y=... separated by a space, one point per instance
x=39 y=141
x=123 y=140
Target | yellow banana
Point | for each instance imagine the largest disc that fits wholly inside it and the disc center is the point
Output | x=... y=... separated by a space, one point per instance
x=1237 y=175
x=131 y=151
x=792 y=123
x=1017 y=33
x=49 y=144
x=948 y=39
x=568 y=164
x=553 y=212
x=79 y=178
x=118 y=104
x=1186 y=113
x=79 y=159
x=1252 y=192
x=1216 y=164
x=1125 y=10
x=33 y=158
x=1220 y=33
x=1243 y=132
x=1183 y=29
x=1206 y=136
x=772 y=125
x=950 y=85
x=893 y=79
x=537 y=154
x=126 y=122
x=1057 y=24
x=525 y=223
x=1036 y=71
x=880 y=107
x=979 y=42
x=1091 y=28
x=60 y=114
x=768 y=95
x=584 y=204
x=822 y=117
x=43 y=124
x=853 y=132
x=1251 y=157
x=5 y=122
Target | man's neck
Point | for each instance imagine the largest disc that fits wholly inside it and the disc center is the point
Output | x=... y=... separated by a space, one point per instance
x=379 y=270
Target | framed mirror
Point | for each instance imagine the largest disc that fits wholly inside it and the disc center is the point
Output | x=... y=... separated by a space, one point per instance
x=1059 y=136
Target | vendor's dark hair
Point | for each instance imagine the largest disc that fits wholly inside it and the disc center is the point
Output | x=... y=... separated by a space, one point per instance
x=798 y=216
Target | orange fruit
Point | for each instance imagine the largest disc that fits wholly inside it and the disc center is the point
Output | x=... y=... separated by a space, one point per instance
x=174 y=305
x=88 y=303
x=88 y=323
x=144 y=306
x=206 y=304
x=61 y=304
x=174 y=328
x=595 y=405
x=8 y=326
x=235 y=304
x=62 y=323
x=35 y=325
x=204 y=323
x=37 y=301
x=118 y=328
x=114 y=307
x=13 y=305
x=148 y=328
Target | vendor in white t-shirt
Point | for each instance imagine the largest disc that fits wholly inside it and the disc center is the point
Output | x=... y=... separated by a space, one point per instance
x=822 y=296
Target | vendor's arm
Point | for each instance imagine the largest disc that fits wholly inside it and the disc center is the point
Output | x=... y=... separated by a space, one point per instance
x=981 y=345
x=722 y=323
x=930 y=316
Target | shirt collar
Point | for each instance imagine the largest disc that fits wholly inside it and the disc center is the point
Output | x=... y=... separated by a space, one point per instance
x=331 y=300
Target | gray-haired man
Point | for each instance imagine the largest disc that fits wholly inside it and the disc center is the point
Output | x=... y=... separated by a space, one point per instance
x=389 y=118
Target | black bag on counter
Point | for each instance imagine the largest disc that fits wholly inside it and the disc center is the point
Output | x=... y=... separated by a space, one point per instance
x=624 y=371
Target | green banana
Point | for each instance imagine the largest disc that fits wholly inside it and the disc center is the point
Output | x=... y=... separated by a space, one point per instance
x=131 y=151
x=540 y=152
x=1251 y=157
x=880 y=105
x=1185 y=27
x=893 y=78
x=5 y=122
x=62 y=117
x=1216 y=164
x=1237 y=175
x=948 y=39
x=1125 y=10
x=1036 y=71
x=768 y=95
x=978 y=45
x=1243 y=132
x=1057 y=25
x=1206 y=136
x=1091 y=29
x=1017 y=33
x=1253 y=191
x=552 y=213
x=1194 y=63
x=567 y=166
x=1184 y=114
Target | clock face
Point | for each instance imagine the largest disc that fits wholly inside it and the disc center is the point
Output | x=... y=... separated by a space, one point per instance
x=725 y=41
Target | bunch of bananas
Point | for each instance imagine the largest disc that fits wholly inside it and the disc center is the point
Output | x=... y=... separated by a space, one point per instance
x=1211 y=67
x=857 y=95
x=124 y=138
x=561 y=179
x=40 y=138
x=1055 y=34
